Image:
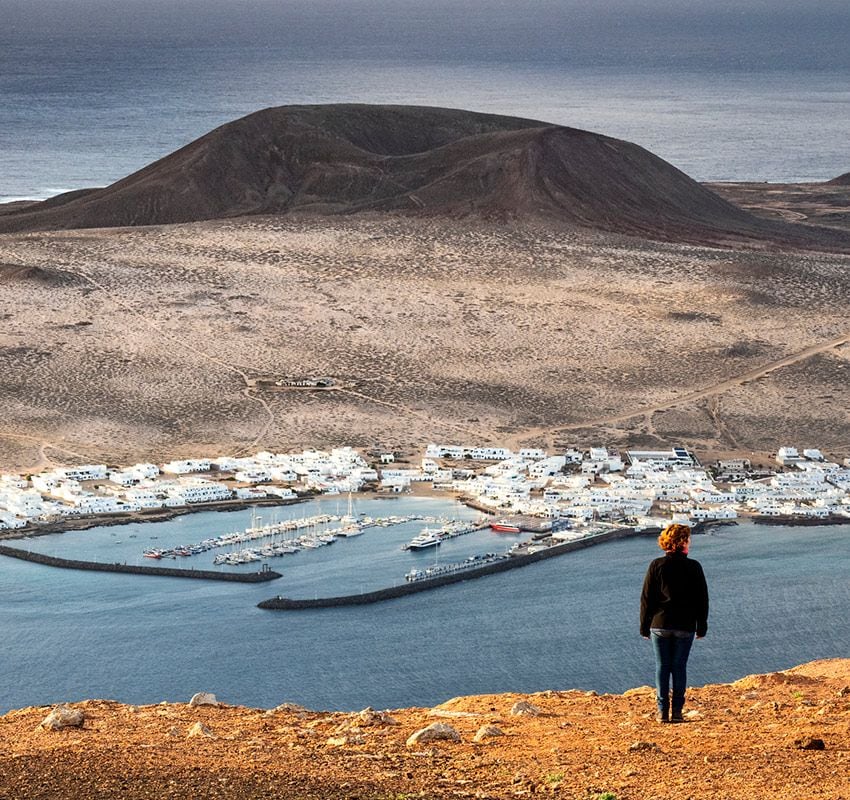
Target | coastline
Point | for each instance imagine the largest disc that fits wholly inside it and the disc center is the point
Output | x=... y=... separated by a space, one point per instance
x=150 y=515
x=165 y=514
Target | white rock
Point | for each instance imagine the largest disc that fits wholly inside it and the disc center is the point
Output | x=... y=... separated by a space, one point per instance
x=524 y=709
x=63 y=717
x=203 y=699
x=434 y=731
x=369 y=716
x=199 y=729
x=486 y=731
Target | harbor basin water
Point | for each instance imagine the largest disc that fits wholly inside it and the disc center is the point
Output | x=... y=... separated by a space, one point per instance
x=779 y=597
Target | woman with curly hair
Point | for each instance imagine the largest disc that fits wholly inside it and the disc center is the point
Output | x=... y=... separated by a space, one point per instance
x=673 y=609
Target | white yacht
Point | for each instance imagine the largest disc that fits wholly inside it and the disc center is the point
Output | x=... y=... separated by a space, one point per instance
x=428 y=538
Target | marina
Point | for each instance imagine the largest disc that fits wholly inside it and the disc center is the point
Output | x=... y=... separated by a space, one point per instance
x=474 y=566
x=281 y=542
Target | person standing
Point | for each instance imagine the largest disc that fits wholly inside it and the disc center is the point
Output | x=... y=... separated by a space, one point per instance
x=673 y=609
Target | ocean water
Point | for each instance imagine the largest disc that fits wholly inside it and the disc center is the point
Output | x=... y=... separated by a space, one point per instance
x=779 y=597
x=80 y=111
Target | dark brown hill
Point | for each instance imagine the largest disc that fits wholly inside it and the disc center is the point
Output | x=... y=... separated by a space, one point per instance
x=841 y=180
x=352 y=158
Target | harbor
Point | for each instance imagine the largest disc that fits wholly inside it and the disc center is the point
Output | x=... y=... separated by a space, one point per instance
x=415 y=645
x=473 y=567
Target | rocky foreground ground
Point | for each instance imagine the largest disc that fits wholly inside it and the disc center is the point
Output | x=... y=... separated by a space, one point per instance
x=781 y=736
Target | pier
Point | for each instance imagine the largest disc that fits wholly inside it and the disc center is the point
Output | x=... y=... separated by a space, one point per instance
x=262 y=576
x=289 y=604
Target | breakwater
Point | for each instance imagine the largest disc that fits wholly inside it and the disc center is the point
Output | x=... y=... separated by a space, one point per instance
x=401 y=590
x=262 y=576
x=799 y=522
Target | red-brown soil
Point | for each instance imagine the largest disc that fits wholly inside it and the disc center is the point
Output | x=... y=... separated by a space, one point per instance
x=743 y=741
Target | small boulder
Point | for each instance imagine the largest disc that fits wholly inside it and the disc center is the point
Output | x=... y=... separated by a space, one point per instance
x=433 y=732
x=289 y=708
x=638 y=691
x=808 y=743
x=203 y=699
x=486 y=731
x=369 y=716
x=640 y=747
x=199 y=729
x=63 y=717
x=525 y=709
x=350 y=738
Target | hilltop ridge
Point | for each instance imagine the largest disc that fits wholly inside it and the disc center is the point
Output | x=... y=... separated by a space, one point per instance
x=349 y=158
x=783 y=735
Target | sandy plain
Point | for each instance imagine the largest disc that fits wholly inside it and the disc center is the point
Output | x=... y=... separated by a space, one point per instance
x=144 y=344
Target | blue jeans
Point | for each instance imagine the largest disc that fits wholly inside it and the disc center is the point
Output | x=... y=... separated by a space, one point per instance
x=671 y=660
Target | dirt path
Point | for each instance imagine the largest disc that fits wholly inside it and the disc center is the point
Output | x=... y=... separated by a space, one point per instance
x=44 y=460
x=403 y=409
x=517 y=439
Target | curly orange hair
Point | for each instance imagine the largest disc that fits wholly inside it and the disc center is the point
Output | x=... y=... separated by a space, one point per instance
x=674 y=538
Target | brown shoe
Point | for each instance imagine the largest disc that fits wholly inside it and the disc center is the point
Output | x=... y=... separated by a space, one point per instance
x=661 y=716
x=676 y=716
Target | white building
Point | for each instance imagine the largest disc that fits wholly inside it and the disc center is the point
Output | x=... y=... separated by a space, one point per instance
x=196 y=491
x=676 y=456
x=87 y=472
x=787 y=456
x=9 y=520
x=26 y=503
x=187 y=465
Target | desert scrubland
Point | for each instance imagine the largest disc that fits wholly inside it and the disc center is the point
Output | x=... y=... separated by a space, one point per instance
x=145 y=343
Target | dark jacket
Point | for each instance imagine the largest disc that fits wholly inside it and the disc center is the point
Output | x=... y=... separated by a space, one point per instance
x=674 y=595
